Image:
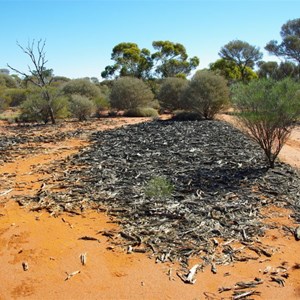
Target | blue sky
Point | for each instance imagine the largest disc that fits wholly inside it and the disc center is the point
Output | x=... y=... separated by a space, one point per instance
x=80 y=35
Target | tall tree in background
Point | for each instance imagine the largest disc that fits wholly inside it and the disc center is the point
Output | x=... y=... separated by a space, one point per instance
x=289 y=48
x=271 y=69
x=130 y=60
x=39 y=75
x=172 y=60
x=243 y=54
x=231 y=71
x=267 y=69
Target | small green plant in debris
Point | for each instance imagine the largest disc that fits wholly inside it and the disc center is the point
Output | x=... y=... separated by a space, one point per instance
x=158 y=187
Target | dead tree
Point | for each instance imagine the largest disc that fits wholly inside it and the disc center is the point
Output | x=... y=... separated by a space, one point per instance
x=38 y=75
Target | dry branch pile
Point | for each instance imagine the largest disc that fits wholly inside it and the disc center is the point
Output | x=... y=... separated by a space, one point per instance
x=219 y=184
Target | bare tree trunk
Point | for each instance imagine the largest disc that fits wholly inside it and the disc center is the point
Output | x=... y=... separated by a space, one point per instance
x=50 y=108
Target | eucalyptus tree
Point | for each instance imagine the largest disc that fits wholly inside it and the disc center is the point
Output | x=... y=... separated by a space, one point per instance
x=130 y=60
x=231 y=71
x=271 y=69
x=242 y=54
x=172 y=60
x=289 y=48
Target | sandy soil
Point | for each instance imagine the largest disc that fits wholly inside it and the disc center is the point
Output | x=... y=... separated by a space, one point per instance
x=51 y=247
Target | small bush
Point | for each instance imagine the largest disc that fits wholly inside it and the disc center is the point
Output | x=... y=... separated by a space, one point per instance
x=129 y=93
x=36 y=108
x=158 y=187
x=81 y=87
x=268 y=109
x=142 y=112
x=101 y=104
x=7 y=81
x=3 y=100
x=16 y=96
x=155 y=104
x=170 y=93
x=81 y=107
x=206 y=94
x=2 y=104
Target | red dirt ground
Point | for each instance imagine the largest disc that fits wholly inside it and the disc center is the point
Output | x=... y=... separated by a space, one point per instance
x=51 y=246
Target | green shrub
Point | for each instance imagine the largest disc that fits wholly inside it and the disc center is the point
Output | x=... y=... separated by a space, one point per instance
x=158 y=187
x=101 y=104
x=129 y=93
x=81 y=107
x=3 y=100
x=2 y=104
x=268 y=109
x=81 y=87
x=16 y=96
x=36 y=108
x=141 y=112
x=170 y=93
x=155 y=104
x=7 y=81
x=206 y=94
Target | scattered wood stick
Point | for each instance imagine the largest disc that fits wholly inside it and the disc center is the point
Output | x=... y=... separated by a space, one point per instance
x=70 y=275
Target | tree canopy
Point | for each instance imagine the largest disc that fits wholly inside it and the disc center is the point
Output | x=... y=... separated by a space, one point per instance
x=169 y=60
x=172 y=60
x=271 y=69
x=242 y=54
x=231 y=71
x=289 y=48
x=130 y=60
